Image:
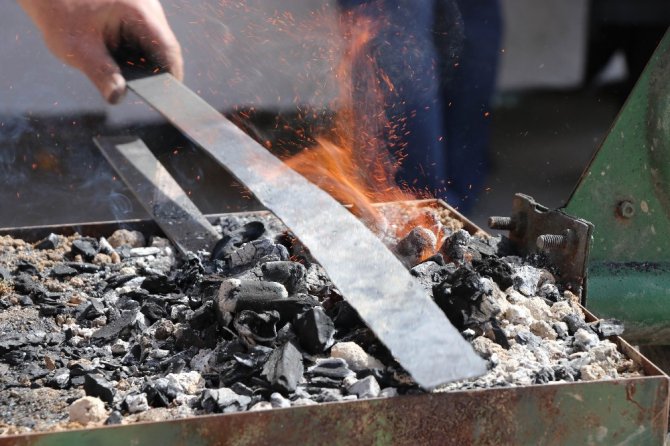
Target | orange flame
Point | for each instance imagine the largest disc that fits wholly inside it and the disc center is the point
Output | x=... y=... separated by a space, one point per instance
x=351 y=161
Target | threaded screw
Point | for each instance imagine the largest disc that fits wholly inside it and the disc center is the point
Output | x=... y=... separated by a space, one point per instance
x=501 y=223
x=551 y=241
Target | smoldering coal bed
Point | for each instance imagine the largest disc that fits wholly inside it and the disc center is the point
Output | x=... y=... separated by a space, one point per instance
x=118 y=329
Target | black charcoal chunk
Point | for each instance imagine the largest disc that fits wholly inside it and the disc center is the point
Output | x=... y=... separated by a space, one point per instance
x=529 y=339
x=241 y=389
x=290 y=274
x=431 y=273
x=85 y=247
x=485 y=246
x=455 y=247
x=575 y=322
x=157 y=396
x=24 y=266
x=61 y=270
x=315 y=330
x=345 y=316
x=24 y=284
x=608 y=327
x=256 y=327
x=95 y=308
x=52 y=241
x=257 y=251
x=254 y=357
x=114 y=418
x=153 y=310
x=118 y=328
x=59 y=379
x=97 y=385
x=232 y=240
x=84 y=268
x=284 y=368
x=498 y=270
x=331 y=368
x=544 y=375
x=204 y=316
x=159 y=284
x=288 y=308
x=223 y=400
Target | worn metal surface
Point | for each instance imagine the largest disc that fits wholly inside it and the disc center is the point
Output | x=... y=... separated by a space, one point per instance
x=625 y=193
x=369 y=276
x=158 y=193
x=565 y=240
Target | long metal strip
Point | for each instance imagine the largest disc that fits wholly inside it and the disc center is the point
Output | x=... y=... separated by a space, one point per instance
x=369 y=276
x=159 y=193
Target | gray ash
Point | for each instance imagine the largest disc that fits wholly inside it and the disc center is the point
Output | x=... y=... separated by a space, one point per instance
x=255 y=325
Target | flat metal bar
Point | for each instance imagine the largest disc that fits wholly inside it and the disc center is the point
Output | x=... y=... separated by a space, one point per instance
x=159 y=193
x=369 y=276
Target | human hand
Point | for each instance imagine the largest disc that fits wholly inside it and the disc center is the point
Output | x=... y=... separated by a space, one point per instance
x=83 y=32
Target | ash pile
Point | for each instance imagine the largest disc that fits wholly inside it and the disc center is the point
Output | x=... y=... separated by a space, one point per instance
x=118 y=330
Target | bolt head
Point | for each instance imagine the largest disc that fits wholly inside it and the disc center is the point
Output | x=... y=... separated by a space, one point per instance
x=626 y=209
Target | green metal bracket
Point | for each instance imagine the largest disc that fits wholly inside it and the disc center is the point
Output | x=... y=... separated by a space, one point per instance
x=625 y=193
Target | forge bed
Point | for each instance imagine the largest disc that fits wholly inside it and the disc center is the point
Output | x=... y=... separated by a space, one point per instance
x=631 y=410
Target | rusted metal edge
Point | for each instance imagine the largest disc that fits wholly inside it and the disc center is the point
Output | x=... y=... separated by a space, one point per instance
x=621 y=411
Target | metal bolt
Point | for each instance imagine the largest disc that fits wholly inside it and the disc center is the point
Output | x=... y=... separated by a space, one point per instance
x=626 y=209
x=501 y=223
x=551 y=241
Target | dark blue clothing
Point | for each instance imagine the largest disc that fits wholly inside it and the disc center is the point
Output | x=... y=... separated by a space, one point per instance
x=416 y=46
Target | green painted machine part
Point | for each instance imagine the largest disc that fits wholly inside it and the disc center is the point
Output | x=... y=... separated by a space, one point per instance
x=625 y=193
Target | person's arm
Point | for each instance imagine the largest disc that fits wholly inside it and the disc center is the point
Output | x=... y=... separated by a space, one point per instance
x=82 y=33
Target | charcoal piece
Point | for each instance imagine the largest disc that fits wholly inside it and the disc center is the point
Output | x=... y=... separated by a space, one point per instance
x=186 y=337
x=430 y=273
x=25 y=301
x=455 y=246
x=59 y=379
x=575 y=322
x=278 y=401
x=257 y=251
x=460 y=296
x=84 y=268
x=94 y=309
x=203 y=317
x=561 y=330
x=345 y=316
x=156 y=395
x=241 y=389
x=550 y=293
x=114 y=418
x=14 y=357
x=544 y=376
x=81 y=368
x=153 y=310
x=24 y=266
x=254 y=357
x=159 y=284
x=322 y=382
x=484 y=246
x=85 y=247
x=24 y=284
x=52 y=241
x=417 y=245
x=285 y=334
x=290 y=274
x=232 y=372
x=367 y=387
x=233 y=240
x=328 y=396
x=249 y=294
x=223 y=400
x=566 y=373
x=284 y=368
x=97 y=385
x=331 y=368
x=437 y=258
x=118 y=328
x=119 y=280
x=498 y=270
x=61 y=271
x=256 y=327
x=315 y=330
x=288 y=308
x=529 y=339
x=499 y=335
x=608 y=327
